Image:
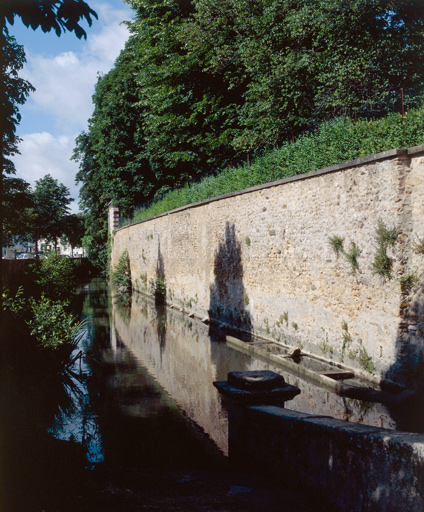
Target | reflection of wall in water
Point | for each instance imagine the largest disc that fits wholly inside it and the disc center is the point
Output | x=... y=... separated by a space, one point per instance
x=185 y=362
x=182 y=360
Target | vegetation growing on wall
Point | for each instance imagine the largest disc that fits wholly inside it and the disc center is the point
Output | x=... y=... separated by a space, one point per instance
x=408 y=281
x=352 y=254
x=121 y=273
x=385 y=237
x=337 y=141
x=418 y=245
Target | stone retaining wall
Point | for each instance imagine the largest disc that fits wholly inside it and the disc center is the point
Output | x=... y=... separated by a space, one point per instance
x=261 y=260
x=354 y=467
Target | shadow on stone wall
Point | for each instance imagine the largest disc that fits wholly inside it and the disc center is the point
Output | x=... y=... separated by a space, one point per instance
x=408 y=369
x=228 y=298
x=159 y=283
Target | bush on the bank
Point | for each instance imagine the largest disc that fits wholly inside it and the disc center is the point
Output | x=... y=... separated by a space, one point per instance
x=49 y=323
x=56 y=276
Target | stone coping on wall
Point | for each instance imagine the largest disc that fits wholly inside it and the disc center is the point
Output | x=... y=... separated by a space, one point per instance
x=377 y=157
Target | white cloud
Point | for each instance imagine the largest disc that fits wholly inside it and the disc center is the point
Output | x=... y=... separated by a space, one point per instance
x=41 y=154
x=63 y=89
x=105 y=47
x=65 y=82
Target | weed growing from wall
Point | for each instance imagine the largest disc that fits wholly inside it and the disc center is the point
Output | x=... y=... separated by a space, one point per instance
x=247 y=241
x=352 y=256
x=365 y=361
x=382 y=264
x=409 y=281
x=385 y=237
x=418 y=245
x=336 y=243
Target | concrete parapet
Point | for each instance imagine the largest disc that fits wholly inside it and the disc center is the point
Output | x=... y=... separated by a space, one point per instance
x=355 y=468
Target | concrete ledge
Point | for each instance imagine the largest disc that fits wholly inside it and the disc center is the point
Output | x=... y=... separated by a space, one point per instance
x=350 y=466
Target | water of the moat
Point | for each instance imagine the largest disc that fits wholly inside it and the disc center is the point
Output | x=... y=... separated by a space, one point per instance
x=141 y=425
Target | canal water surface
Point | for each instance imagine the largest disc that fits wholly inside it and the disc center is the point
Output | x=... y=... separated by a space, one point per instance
x=142 y=399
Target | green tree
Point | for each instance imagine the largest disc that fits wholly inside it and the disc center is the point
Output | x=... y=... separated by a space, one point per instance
x=94 y=200
x=56 y=276
x=303 y=62
x=159 y=120
x=73 y=230
x=17 y=203
x=13 y=93
x=189 y=116
x=51 y=201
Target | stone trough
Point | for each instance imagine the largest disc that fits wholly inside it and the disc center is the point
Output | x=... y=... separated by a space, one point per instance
x=257 y=387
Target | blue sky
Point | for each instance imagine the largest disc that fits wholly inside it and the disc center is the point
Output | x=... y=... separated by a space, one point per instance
x=63 y=71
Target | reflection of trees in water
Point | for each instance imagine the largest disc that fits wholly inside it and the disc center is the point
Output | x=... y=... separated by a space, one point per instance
x=161 y=321
x=123 y=301
x=228 y=297
x=160 y=301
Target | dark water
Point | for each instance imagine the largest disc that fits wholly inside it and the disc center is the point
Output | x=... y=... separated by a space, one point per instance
x=141 y=407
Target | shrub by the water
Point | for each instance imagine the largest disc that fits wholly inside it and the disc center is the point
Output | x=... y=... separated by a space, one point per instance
x=56 y=276
x=51 y=324
x=48 y=321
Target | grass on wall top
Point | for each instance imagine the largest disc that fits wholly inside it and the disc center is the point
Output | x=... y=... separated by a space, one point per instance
x=336 y=141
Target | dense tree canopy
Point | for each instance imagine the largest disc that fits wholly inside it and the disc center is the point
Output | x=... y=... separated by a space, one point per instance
x=51 y=201
x=17 y=203
x=200 y=83
x=305 y=61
